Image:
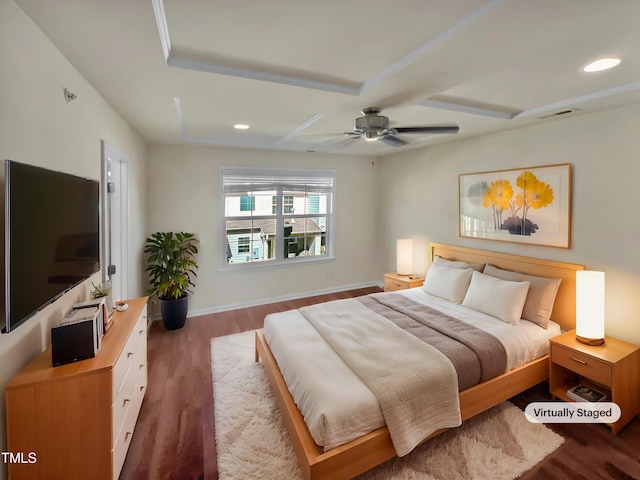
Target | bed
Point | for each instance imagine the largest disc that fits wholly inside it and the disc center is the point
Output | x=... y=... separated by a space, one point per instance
x=367 y=450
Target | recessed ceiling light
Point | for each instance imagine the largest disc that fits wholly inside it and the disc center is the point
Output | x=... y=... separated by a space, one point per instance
x=602 y=64
x=241 y=126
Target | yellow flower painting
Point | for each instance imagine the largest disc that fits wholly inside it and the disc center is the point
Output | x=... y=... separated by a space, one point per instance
x=516 y=203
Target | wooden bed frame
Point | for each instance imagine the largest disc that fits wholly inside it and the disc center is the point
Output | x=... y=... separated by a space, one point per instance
x=364 y=453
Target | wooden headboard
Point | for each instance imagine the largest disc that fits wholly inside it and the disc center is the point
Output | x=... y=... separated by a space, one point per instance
x=564 y=309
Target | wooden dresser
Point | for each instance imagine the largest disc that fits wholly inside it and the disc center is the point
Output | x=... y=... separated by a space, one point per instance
x=78 y=418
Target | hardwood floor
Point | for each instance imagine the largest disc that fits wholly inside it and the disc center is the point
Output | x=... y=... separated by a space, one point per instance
x=174 y=436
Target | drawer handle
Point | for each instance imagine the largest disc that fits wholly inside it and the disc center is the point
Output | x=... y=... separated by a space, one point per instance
x=129 y=354
x=141 y=332
x=142 y=388
x=127 y=435
x=126 y=400
x=578 y=360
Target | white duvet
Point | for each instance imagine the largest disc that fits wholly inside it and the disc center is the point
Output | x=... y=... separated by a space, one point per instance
x=336 y=405
x=362 y=338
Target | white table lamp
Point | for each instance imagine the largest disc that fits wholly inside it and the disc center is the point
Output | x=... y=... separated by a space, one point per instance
x=404 y=251
x=590 y=307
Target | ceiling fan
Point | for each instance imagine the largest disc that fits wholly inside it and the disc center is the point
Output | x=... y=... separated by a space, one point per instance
x=373 y=126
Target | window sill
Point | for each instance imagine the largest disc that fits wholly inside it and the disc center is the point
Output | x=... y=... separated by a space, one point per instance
x=277 y=263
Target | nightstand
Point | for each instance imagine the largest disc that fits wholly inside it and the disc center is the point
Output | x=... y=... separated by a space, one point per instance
x=393 y=281
x=613 y=368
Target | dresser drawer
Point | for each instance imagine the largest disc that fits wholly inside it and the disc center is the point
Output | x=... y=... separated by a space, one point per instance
x=128 y=392
x=123 y=439
x=582 y=364
x=125 y=360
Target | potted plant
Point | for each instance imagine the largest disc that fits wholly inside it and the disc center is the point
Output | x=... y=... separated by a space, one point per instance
x=171 y=266
x=103 y=290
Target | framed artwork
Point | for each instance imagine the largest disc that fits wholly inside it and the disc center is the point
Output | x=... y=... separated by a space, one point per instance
x=524 y=205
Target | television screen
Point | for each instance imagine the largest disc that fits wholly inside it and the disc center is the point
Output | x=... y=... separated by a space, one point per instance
x=52 y=223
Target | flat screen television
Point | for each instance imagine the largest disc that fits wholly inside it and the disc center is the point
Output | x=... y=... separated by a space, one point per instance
x=52 y=224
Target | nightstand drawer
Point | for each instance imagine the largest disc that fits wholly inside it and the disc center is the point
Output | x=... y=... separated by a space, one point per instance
x=394 y=281
x=582 y=364
x=391 y=285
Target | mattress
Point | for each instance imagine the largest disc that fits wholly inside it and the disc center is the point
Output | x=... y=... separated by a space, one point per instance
x=336 y=405
x=539 y=337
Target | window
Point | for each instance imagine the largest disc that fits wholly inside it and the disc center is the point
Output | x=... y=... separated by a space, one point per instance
x=243 y=244
x=247 y=203
x=277 y=215
x=287 y=202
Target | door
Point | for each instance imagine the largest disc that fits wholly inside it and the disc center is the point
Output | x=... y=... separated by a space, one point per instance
x=115 y=215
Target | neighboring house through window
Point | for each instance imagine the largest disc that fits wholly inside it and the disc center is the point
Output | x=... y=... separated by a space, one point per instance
x=277 y=215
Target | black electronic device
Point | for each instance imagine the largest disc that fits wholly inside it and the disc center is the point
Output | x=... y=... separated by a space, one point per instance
x=52 y=220
x=78 y=336
x=102 y=315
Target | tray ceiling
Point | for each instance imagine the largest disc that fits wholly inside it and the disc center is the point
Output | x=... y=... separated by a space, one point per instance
x=298 y=72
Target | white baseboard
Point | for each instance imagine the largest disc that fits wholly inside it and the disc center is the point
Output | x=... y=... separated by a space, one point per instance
x=265 y=301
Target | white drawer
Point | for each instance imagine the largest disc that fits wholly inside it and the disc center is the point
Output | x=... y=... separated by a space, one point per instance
x=121 y=445
x=128 y=393
x=128 y=352
x=139 y=391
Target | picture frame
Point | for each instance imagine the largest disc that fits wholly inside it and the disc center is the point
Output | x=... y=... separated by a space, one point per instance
x=522 y=205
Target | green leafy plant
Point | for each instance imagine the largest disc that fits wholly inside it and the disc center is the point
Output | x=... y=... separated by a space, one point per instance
x=101 y=290
x=171 y=263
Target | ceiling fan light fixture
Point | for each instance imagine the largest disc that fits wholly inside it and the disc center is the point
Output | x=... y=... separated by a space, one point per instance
x=601 y=64
x=371 y=136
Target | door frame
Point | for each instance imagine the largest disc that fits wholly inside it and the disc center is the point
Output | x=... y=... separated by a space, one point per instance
x=121 y=216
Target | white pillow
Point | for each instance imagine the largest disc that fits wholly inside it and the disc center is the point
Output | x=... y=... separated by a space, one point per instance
x=448 y=283
x=540 y=298
x=499 y=298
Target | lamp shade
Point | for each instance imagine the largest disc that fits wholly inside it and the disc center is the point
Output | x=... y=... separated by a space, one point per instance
x=404 y=251
x=590 y=307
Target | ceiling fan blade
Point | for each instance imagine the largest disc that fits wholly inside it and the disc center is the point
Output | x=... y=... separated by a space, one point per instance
x=321 y=135
x=392 y=140
x=432 y=129
x=345 y=142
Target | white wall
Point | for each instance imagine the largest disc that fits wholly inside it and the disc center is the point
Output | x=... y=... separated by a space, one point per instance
x=184 y=195
x=38 y=127
x=420 y=199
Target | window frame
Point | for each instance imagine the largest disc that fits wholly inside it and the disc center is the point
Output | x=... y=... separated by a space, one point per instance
x=283 y=181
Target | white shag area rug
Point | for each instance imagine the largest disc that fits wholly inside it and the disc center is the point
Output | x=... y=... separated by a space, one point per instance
x=252 y=441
